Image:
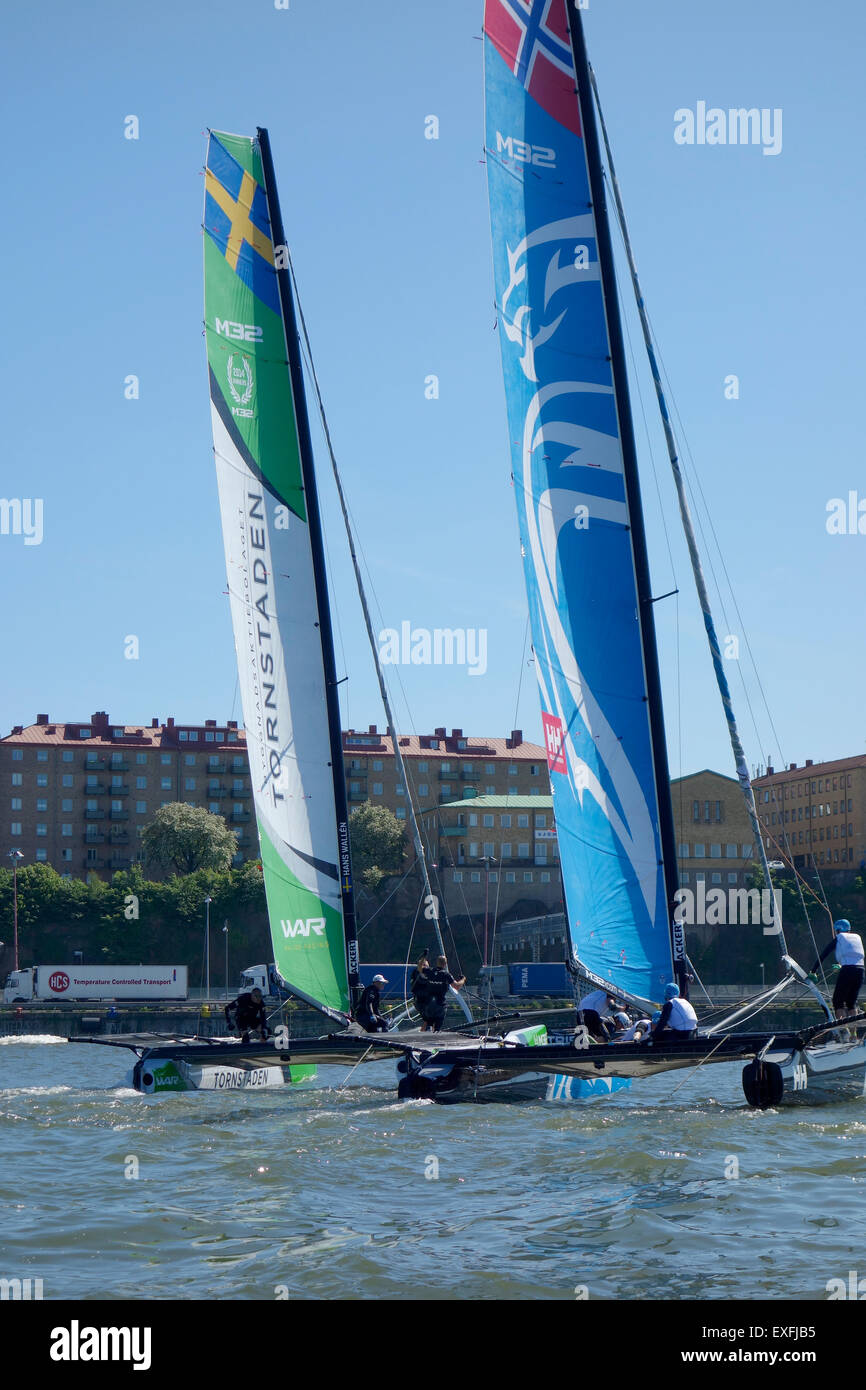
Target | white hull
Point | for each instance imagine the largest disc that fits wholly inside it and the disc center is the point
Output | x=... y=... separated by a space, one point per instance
x=816 y=1075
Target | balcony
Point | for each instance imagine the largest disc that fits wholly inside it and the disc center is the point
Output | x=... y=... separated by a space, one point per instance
x=239 y=817
x=121 y=765
x=94 y=864
x=94 y=815
x=453 y=830
x=217 y=792
x=118 y=862
x=217 y=765
x=95 y=789
x=117 y=791
x=119 y=815
x=451 y=776
x=471 y=775
x=93 y=837
x=118 y=837
x=241 y=793
x=94 y=764
x=359 y=795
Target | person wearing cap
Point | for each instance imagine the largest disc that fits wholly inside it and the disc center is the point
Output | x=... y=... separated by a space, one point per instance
x=246 y=1014
x=677 y=1020
x=367 y=1011
x=849 y=957
x=439 y=981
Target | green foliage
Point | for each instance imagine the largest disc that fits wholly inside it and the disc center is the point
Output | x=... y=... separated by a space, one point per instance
x=187 y=838
x=377 y=840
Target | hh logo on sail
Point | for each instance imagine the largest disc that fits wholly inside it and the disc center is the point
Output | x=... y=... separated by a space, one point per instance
x=553 y=742
x=303 y=926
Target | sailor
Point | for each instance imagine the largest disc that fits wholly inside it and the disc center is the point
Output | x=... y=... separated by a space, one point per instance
x=635 y=1032
x=594 y=1012
x=849 y=956
x=246 y=1014
x=439 y=981
x=677 y=1019
x=419 y=985
x=367 y=1012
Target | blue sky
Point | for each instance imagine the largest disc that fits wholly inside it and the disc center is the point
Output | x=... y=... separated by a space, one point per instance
x=751 y=265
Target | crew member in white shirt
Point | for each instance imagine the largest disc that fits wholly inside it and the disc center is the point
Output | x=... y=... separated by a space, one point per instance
x=678 y=1019
x=849 y=956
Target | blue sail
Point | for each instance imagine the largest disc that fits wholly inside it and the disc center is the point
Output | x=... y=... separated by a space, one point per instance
x=572 y=500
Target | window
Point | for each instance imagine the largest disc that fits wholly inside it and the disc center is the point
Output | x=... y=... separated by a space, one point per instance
x=400 y=813
x=183 y=736
x=446 y=788
x=67 y=755
x=446 y=767
x=715 y=851
x=523 y=850
x=700 y=852
x=66 y=830
x=473 y=818
x=41 y=855
x=210 y=736
x=685 y=876
x=716 y=878
x=17 y=779
x=67 y=855
x=522 y=822
x=494 y=877
x=545 y=876
x=66 y=804
x=490 y=769
x=42 y=755
x=17 y=803
x=820 y=788
x=189 y=784
x=850 y=802
x=15 y=828
x=232 y=736
x=505 y=849
x=117 y=780
x=487 y=822
x=505 y=822
x=42 y=779
x=42 y=828
x=141 y=759
x=84 y=733
x=377 y=788
x=165 y=759
x=731 y=851
x=473 y=849
x=165 y=784
x=141 y=808
x=512 y=771
x=533 y=772
x=461 y=743
x=42 y=805
x=700 y=876
x=189 y=759
x=67 y=779
x=475 y=876
x=458 y=875
x=377 y=765
x=399 y=790
x=490 y=791
x=423 y=789
x=140 y=783
x=488 y=849
x=540 y=821
x=732 y=878
x=527 y=876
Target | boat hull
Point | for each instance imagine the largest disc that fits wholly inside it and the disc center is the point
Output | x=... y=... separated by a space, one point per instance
x=816 y=1075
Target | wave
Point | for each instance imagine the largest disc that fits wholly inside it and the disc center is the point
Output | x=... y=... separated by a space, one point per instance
x=33 y=1039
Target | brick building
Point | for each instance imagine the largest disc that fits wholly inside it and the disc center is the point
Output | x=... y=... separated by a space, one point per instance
x=715 y=841
x=814 y=814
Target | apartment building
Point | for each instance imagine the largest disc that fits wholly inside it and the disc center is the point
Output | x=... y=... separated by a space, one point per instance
x=715 y=841
x=814 y=814
x=499 y=850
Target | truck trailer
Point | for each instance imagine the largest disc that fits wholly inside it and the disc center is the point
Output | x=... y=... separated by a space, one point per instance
x=73 y=982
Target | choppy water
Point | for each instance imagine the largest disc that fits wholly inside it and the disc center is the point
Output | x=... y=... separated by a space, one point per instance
x=323 y=1191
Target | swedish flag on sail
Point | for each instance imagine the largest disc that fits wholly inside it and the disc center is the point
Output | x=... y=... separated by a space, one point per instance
x=236 y=220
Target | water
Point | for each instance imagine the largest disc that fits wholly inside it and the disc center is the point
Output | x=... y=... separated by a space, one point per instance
x=320 y=1193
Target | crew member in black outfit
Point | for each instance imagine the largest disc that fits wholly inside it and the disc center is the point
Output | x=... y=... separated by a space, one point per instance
x=246 y=1014
x=367 y=1011
x=419 y=985
x=439 y=980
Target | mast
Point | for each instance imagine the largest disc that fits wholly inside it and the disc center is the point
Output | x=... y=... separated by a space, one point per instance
x=667 y=834
x=691 y=540
x=347 y=894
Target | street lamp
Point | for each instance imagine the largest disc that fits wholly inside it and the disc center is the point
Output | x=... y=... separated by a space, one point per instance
x=226 y=935
x=207 y=903
x=16 y=856
x=488 y=860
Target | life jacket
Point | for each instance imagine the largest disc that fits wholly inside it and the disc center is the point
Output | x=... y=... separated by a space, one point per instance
x=683 y=1016
x=849 y=948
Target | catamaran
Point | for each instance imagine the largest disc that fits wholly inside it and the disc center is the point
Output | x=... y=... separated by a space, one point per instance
x=575 y=471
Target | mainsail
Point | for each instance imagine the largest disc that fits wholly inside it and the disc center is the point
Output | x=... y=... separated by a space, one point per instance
x=276 y=578
x=578 y=500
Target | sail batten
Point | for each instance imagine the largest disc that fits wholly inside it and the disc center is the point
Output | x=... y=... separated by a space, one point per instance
x=277 y=593
x=578 y=502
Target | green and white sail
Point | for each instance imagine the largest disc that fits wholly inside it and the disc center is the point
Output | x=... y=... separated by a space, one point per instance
x=275 y=573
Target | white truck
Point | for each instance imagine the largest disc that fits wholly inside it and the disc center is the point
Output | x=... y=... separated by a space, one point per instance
x=73 y=982
x=263 y=977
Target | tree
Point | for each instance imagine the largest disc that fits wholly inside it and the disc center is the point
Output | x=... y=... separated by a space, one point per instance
x=187 y=838
x=376 y=838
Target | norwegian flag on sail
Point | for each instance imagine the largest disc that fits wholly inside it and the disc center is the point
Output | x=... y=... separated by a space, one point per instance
x=532 y=36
